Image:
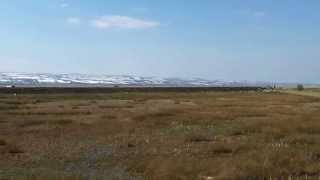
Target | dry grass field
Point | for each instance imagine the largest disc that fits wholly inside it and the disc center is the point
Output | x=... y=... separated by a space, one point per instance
x=160 y=135
x=306 y=92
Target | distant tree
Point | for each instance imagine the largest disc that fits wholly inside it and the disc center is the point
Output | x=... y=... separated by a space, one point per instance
x=300 y=87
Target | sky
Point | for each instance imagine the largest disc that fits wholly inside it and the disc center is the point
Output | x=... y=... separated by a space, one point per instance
x=254 y=40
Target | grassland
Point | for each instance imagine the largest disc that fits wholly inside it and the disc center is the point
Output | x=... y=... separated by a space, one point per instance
x=306 y=92
x=159 y=135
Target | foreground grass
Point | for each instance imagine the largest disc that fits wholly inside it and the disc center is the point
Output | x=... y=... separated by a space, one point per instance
x=227 y=135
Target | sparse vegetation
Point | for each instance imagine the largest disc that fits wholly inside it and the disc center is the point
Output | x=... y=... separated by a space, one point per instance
x=300 y=87
x=160 y=135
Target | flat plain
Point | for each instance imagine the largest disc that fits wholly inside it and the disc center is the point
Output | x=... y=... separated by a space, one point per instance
x=159 y=135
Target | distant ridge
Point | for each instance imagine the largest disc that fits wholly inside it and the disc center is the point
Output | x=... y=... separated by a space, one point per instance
x=78 y=80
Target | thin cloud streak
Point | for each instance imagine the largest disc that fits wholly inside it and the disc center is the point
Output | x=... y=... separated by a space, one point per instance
x=122 y=22
x=64 y=5
x=259 y=14
x=74 y=20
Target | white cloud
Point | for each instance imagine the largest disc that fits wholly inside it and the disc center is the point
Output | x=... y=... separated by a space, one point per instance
x=123 y=22
x=64 y=5
x=251 y=13
x=74 y=20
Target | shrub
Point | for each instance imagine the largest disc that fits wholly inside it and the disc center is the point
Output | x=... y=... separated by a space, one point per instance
x=300 y=87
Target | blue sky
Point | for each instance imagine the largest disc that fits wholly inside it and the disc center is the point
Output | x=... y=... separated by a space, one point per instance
x=256 y=40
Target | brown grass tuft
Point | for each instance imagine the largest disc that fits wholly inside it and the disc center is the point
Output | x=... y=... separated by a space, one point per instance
x=3 y=142
x=28 y=123
x=222 y=148
x=198 y=137
x=14 y=149
x=62 y=122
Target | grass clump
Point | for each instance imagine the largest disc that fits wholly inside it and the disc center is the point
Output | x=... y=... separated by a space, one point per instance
x=3 y=142
x=197 y=137
x=222 y=148
x=30 y=123
x=12 y=149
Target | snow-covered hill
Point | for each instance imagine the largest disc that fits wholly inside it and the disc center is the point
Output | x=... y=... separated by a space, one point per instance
x=46 y=79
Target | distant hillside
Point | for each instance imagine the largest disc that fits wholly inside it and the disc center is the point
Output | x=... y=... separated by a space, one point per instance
x=75 y=80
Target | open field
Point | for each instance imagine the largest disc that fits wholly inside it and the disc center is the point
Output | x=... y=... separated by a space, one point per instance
x=159 y=135
x=306 y=92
